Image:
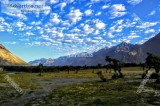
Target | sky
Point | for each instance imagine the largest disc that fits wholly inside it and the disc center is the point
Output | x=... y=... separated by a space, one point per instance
x=64 y=27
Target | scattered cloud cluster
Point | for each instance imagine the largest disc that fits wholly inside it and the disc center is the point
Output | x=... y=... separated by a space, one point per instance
x=134 y=2
x=72 y=27
x=117 y=10
x=75 y=15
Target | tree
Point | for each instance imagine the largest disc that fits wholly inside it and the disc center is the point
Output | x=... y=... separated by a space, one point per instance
x=99 y=65
x=116 y=66
x=152 y=61
x=40 y=67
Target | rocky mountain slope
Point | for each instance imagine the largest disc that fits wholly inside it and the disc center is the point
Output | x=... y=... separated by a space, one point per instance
x=7 y=58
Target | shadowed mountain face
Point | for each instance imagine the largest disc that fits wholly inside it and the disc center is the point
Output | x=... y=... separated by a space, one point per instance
x=152 y=45
x=7 y=58
x=124 y=52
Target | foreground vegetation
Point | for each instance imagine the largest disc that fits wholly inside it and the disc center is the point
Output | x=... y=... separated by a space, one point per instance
x=111 y=93
x=61 y=92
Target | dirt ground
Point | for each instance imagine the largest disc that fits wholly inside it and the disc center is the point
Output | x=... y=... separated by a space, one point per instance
x=46 y=86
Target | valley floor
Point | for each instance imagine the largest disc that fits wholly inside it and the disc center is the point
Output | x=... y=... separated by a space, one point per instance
x=81 y=89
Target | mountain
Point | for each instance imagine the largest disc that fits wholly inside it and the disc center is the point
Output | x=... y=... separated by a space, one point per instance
x=7 y=58
x=152 y=45
x=44 y=61
x=126 y=53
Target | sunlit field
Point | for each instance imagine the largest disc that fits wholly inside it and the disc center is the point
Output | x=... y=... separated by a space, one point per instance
x=84 y=88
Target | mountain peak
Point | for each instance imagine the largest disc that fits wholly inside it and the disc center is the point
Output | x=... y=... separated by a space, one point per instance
x=124 y=43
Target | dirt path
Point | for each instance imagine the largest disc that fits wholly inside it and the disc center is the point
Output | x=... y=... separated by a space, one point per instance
x=47 y=86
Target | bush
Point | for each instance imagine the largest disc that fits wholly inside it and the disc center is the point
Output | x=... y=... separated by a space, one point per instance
x=115 y=76
x=121 y=75
x=143 y=75
x=158 y=81
x=99 y=73
x=154 y=76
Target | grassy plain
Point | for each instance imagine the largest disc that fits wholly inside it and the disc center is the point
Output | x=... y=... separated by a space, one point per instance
x=81 y=89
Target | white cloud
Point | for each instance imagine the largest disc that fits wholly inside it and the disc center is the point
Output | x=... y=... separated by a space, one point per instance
x=98 y=38
x=79 y=40
x=89 y=40
x=152 y=13
x=65 y=23
x=130 y=37
x=94 y=1
x=87 y=29
x=67 y=41
x=99 y=13
x=134 y=2
x=149 y=31
x=60 y=35
x=110 y=35
x=105 y=6
x=2 y=19
x=54 y=1
x=76 y=30
x=118 y=7
x=70 y=1
x=96 y=32
x=117 y=10
x=11 y=43
x=62 y=5
x=75 y=15
x=18 y=15
x=47 y=38
x=118 y=26
x=20 y=24
x=29 y=34
x=114 y=41
x=36 y=23
x=37 y=43
x=55 y=18
x=4 y=26
x=147 y=25
x=100 y=25
x=47 y=10
x=88 y=12
x=118 y=14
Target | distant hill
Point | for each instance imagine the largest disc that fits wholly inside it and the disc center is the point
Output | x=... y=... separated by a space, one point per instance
x=126 y=53
x=7 y=58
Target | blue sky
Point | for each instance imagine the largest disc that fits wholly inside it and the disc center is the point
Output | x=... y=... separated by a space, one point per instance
x=74 y=26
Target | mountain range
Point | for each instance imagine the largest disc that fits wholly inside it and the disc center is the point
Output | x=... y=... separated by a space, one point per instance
x=125 y=52
x=7 y=58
